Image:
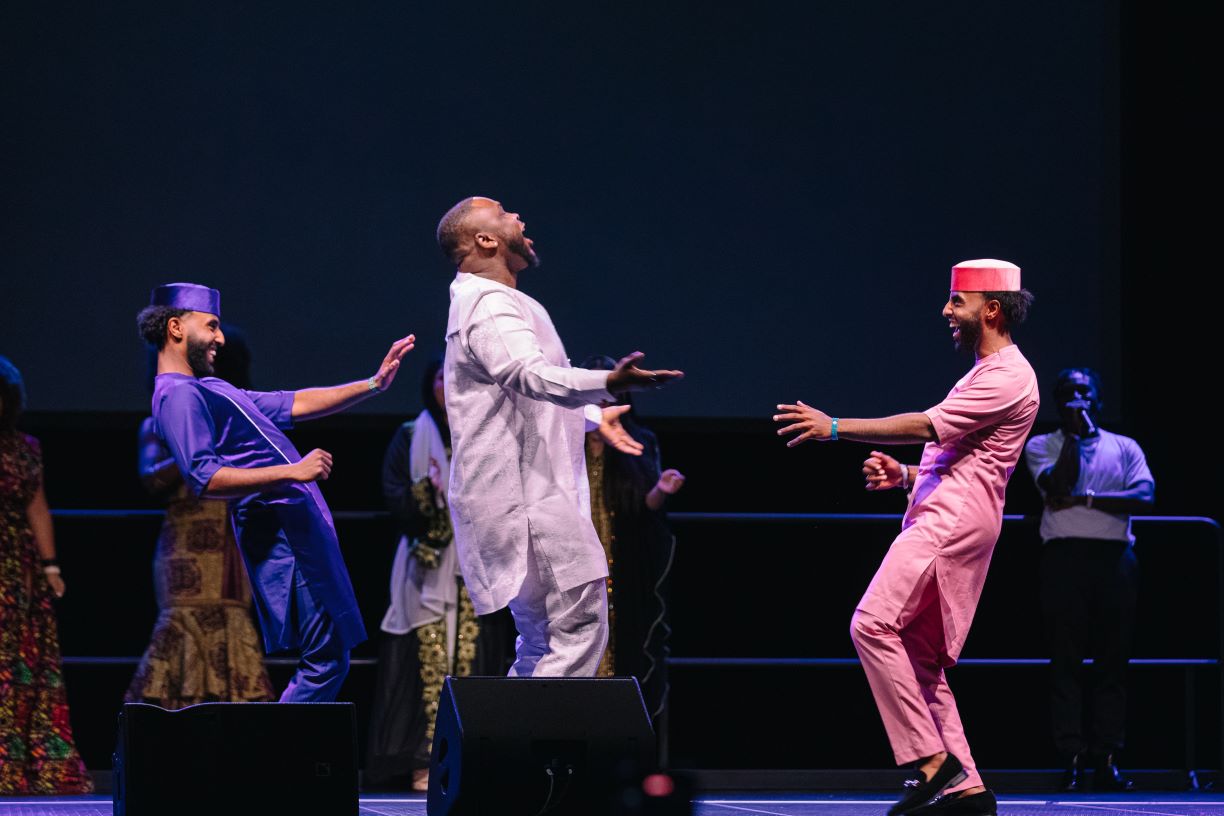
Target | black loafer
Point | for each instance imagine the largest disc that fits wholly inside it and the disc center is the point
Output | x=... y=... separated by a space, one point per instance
x=976 y=804
x=919 y=791
x=1073 y=777
x=1108 y=779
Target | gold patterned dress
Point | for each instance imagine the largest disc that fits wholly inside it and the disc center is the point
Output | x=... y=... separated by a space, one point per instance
x=415 y=658
x=204 y=647
x=37 y=753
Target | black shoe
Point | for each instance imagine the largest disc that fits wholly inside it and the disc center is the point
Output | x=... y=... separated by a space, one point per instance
x=1073 y=777
x=975 y=804
x=1108 y=779
x=919 y=791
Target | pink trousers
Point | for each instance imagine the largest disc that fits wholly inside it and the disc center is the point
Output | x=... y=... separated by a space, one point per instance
x=904 y=659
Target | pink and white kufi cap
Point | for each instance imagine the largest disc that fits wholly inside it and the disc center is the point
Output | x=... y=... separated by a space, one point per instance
x=985 y=275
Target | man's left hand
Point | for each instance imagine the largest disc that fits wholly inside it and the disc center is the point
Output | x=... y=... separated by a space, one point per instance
x=809 y=423
x=390 y=364
x=614 y=433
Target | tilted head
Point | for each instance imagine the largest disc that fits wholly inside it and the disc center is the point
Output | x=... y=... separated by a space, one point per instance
x=479 y=231
x=183 y=321
x=985 y=296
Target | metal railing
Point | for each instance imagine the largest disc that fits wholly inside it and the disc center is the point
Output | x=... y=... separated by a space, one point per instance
x=1188 y=665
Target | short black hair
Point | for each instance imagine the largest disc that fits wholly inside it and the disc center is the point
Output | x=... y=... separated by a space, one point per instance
x=12 y=394
x=1091 y=374
x=450 y=229
x=151 y=323
x=1014 y=305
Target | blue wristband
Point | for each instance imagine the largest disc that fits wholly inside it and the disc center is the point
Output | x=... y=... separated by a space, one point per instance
x=833 y=435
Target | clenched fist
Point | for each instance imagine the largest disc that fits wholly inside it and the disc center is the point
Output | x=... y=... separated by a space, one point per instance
x=315 y=466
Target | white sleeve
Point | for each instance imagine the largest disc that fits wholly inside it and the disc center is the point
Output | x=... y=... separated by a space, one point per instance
x=594 y=417
x=501 y=340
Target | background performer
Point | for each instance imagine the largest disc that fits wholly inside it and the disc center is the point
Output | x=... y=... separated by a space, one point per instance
x=913 y=620
x=1092 y=481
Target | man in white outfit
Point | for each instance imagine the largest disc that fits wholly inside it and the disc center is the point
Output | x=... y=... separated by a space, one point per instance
x=518 y=412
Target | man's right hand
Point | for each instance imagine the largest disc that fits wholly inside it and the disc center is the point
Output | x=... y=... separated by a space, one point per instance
x=628 y=377
x=315 y=466
x=882 y=472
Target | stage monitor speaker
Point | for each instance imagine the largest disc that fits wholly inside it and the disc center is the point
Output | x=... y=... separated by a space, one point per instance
x=237 y=758
x=510 y=746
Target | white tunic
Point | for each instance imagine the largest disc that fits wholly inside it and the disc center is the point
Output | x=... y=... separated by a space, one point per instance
x=518 y=414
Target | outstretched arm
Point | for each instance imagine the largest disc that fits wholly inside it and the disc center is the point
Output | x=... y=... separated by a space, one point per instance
x=312 y=403
x=811 y=424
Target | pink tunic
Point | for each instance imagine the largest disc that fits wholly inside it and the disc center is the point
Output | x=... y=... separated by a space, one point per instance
x=956 y=509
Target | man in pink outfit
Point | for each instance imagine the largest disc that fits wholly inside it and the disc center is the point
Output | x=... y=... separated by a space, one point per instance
x=915 y=616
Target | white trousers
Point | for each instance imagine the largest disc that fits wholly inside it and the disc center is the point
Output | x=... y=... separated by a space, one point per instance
x=562 y=633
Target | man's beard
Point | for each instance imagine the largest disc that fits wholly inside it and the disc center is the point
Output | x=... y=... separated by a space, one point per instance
x=970 y=334
x=197 y=358
x=518 y=245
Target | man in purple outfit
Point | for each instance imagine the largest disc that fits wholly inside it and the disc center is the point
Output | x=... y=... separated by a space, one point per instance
x=229 y=444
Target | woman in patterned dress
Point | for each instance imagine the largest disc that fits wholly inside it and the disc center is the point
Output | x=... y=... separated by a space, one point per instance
x=204 y=647
x=430 y=628
x=37 y=754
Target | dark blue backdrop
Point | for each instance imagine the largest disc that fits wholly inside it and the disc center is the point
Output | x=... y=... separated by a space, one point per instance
x=769 y=197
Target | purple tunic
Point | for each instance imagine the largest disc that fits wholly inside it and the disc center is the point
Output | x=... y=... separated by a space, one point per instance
x=209 y=424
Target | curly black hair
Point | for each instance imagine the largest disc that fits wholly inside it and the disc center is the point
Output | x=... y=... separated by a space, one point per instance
x=12 y=394
x=1014 y=305
x=151 y=323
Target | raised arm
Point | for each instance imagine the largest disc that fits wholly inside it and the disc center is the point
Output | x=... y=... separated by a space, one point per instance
x=503 y=342
x=1059 y=478
x=312 y=403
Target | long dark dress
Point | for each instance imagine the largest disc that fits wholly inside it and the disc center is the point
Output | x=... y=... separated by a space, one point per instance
x=639 y=545
x=412 y=666
x=37 y=753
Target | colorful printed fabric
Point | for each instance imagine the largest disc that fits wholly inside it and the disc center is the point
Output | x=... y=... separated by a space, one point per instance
x=204 y=647
x=37 y=753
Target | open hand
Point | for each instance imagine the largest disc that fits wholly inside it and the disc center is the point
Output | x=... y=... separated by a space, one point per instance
x=670 y=481
x=614 y=433
x=882 y=472
x=390 y=364
x=628 y=377
x=314 y=466
x=57 y=583
x=805 y=420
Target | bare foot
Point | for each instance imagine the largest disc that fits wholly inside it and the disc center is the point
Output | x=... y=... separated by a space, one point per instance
x=420 y=780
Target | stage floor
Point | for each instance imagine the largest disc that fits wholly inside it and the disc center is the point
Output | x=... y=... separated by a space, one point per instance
x=1163 y=804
